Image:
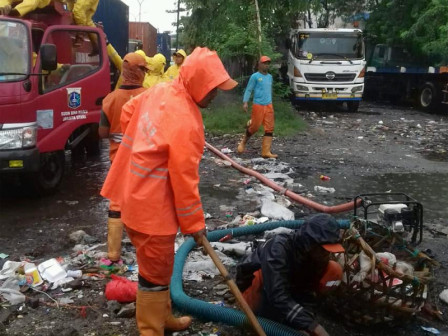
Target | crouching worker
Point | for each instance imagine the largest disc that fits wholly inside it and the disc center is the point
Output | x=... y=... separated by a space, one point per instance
x=280 y=279
x=155 y=177
x=133 y=72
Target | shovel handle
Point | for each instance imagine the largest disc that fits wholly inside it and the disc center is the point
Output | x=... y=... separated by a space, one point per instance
x=233 y=287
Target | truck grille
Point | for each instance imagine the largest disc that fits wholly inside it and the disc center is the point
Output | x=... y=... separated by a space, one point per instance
x=321 y=77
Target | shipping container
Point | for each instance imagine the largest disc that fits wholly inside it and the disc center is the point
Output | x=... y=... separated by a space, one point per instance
x=145 y=33
x=164 y=46
x=114 y=16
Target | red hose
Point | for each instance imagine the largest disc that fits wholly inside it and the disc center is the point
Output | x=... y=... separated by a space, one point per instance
x=300 y=199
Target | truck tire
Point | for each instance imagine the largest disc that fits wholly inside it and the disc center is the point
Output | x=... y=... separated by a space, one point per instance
x=353 y=105
x=92 y=141
x=49 y=177
x=428 y=97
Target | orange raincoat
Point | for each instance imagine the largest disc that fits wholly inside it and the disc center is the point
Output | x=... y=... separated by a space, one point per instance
x=155 y=174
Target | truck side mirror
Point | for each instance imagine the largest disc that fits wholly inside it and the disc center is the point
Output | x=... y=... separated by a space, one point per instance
x=288 y=43
x=48 y=56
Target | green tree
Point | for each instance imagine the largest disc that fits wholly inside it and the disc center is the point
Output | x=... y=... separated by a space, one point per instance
x=420 y=26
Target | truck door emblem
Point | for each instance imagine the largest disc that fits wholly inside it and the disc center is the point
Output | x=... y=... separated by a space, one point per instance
x=74 y=97
x=330 y=75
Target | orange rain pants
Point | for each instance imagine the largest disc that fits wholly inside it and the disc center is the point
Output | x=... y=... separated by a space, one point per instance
x=262 y=115
x=252 y=295
x=155 y=255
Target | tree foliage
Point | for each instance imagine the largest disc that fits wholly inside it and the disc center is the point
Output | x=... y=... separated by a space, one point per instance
x=421 y=26
x=230 y=27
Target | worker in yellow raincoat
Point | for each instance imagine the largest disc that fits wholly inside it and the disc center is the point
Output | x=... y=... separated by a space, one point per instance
x=179 y=58
x=22 y=8
x=156 y=73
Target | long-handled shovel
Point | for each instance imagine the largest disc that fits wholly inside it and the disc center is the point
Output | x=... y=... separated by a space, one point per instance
x=233 y=287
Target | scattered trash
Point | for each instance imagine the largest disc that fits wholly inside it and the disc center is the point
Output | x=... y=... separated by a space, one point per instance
x=226 y=150
x=325 y=178
x=275 y=211
x=444 y=296
x=10 y=290
x=433 y=331
x=32 y=275
x=74 y=273
x=324 y=190
x=121 y=289
x=51 y=270
x=3 y=256
x=239 y=249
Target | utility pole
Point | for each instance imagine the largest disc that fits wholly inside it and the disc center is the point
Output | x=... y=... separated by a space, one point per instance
x=140 y=10
x=177 y=25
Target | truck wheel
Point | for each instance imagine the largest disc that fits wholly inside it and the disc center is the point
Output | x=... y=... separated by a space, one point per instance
x=428 y=97
x=353 y=105
x=92 y=141
x=49 y=176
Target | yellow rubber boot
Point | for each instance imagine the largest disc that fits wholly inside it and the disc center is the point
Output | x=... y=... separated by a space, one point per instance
x=242 y=145
x=266 y=148
x=114 y=236
x=173 y=323
x=151 y=312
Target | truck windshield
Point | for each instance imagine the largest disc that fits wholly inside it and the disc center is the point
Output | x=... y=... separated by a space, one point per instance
x=14 y=51
x=329 y=45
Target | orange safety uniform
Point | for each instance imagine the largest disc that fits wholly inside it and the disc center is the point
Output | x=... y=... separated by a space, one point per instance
x=112 y=105
x=155 y=174
x=262 y=115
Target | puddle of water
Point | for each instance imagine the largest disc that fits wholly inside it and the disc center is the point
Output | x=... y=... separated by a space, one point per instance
x=429 y=189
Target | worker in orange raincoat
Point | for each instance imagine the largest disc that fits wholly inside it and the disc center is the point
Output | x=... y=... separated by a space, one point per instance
x=155 y=177
x=133 y=72
x=156 y=71
x=178 y=57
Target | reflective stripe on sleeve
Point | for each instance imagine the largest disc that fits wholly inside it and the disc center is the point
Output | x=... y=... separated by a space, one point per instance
x=293 y=313
x=116 y=137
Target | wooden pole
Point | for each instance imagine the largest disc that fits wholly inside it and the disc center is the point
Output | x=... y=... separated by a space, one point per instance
x=233 y=287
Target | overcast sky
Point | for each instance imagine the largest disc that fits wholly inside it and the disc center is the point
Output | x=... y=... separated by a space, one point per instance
x=154 y=12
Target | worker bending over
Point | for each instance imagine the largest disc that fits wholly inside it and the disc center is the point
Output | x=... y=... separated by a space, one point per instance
x=280 y=278
x=155 y=176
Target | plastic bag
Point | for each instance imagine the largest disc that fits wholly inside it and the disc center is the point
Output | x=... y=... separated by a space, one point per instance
x=121 y=289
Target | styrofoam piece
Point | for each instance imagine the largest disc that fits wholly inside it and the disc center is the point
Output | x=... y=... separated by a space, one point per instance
x=51 y=270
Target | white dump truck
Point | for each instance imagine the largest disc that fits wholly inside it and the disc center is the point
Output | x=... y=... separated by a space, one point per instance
x=327 y=65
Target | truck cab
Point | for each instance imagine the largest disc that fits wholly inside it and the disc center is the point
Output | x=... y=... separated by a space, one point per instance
x=51 y=92
x=327 y=65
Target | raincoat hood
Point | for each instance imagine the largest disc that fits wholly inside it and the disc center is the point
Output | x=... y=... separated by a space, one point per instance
x=131 y=69
x=181 y=52
x=317 y=229
x=157 y=64
x=201 y=72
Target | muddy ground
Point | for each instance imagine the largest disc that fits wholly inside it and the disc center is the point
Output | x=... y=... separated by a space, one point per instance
x=378 y=149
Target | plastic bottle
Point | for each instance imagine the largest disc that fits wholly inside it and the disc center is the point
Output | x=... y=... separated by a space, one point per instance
x=74 y=273
x=325 y=178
